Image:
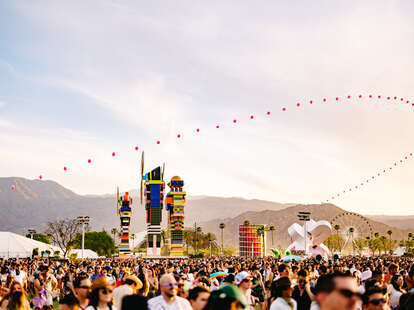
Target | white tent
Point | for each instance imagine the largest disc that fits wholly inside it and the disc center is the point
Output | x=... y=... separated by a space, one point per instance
x=16 y=246
x=87 y=253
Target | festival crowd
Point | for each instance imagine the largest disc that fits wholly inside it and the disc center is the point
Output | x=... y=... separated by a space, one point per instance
x=369 y=283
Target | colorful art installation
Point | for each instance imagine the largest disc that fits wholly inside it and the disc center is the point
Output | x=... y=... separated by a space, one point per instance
x=124 y=211
x=317 y=232
x=281 y=253
x=175 y=209
x=251 y=243
x=153 y=185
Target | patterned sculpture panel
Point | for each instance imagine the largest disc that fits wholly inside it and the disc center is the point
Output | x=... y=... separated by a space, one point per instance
x=175 y=209
x=124 y=213
x=154 y=197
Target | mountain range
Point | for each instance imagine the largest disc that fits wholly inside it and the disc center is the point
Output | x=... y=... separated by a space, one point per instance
x=32 y=203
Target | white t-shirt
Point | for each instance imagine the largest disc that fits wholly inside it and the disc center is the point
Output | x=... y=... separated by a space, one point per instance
x=281 y=304
x=159 y=303
x=19 y=278
x=119 y=293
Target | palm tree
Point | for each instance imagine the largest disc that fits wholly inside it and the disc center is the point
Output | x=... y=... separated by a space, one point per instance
x=376 y=235
x=113 y=232
x=222 y=226
x=133 y=239
x=410 y=236
x=389 y=232
x=210 y=237
x=337 y=227
x=246 y=223
x=272 y=229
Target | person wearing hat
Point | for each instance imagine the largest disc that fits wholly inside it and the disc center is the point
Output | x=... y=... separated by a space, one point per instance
x=228 y=297
x=100 y=297
x=244 y=281
x=130 y=285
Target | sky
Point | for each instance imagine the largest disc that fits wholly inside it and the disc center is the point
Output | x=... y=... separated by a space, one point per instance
x=82 y=79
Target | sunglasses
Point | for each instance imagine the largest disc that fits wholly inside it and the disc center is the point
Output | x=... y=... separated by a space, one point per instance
x=170 y=285
x=348 y=293
x=85 y=287
x=376 y=302
x=247 y=280
x=106 y=291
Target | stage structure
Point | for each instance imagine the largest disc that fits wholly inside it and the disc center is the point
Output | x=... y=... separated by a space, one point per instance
x=124 y=211
x=153 y=185
x=175 y=209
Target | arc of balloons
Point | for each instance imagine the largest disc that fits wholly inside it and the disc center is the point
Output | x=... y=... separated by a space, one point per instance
x=386 y=99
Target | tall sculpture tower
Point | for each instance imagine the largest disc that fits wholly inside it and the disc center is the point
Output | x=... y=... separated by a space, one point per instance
x=124 y=211
x=154 y=200
x=175 y=209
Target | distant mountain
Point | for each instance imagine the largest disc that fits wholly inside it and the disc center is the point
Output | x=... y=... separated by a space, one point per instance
x=402 y=222
x=283 y=218
x=34 y=202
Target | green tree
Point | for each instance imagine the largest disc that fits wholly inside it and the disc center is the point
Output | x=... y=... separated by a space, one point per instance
x=114 y=232
x=99 y=241
x=63 y=233
x=40 y=237
x=360 y=244
x=335 y=243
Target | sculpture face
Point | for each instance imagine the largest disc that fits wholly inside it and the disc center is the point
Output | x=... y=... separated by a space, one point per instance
x=317 y=232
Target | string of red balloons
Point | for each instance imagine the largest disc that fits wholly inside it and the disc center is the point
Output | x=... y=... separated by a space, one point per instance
x=348 y=98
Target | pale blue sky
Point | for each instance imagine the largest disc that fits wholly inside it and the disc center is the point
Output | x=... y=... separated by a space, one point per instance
x=81 y=79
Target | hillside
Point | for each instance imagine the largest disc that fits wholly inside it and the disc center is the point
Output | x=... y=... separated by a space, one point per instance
x=402 y=222
x=33 y=202
x=282 y=219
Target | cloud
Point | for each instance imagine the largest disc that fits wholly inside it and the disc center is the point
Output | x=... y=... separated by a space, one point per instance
x=2 y=104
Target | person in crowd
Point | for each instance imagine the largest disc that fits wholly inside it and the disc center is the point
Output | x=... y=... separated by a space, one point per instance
x=337 y=291
x=198 y=297
x=131 y=285
x=168 y=298
x=244 y=281
x=302 y=292
x=375 y=298
x=228 y=297
x=81 y=286
x=281 y=295
x=134 y=302
x=395 y=290
x=69 y=302
x=100 y=297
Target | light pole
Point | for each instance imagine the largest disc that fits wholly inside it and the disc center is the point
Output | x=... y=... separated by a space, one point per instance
x=83 y=220
x=31 y=232
x=305 y=217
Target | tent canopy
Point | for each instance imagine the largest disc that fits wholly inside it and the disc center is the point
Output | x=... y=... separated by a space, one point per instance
x=16 y=246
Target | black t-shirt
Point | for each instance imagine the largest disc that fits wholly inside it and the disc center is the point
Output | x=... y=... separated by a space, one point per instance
x=304 y=301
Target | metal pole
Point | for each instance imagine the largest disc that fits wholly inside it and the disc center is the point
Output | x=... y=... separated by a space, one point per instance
x=83 y=238
x=306 y=237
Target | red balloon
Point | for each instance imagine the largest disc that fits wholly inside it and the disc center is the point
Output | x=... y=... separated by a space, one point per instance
x=40 y=177
x=284 y=109
x=251 y=116
x=388 y=98
x=402 y=99
x=408 y=101
x=383 y=170
x=324 y=99
x=178 y=136
x=379 y=97
x=411 y=154
x=89 y=161
x=198 y=130
x=360 y=96
x=217 y=126
x=136 y=148
x=370 y=96
x=395 y=98
x=373 y=177
x=12 y=187
x=234 y=121
x=298 y=104
x=64 y=168
x=337 y=98
x=158 y=142
x=268 y=113
x=311 y=102
x=113 y=153
x=349 y=97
